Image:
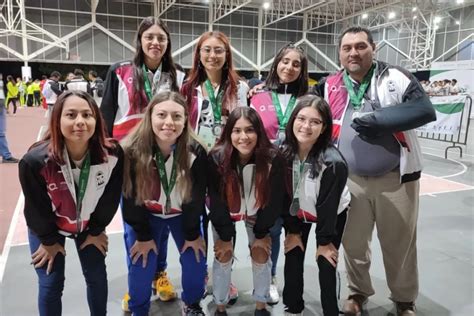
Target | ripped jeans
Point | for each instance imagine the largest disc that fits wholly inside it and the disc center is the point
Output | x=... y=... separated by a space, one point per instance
x=221 y=275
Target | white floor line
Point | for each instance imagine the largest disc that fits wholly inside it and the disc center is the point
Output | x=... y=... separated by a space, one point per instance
x=433 y=194
x=13 y=224
x=464 y=167
x=11 y=232
x=442 y=150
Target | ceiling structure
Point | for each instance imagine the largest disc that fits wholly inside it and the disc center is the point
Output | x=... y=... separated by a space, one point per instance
x=419 y=18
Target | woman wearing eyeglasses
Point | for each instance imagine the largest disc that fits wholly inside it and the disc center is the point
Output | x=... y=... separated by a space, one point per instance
x=286 y=81
x=213 y=88
x=129 y=86
x=317 y=178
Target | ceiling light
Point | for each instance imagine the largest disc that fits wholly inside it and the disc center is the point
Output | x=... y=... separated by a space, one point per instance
x=458 y=23
x=459 y=1
x=266 y=5
x=414 y=17
x=365 y=16
x=437 y=19
x=391 y=15
x=413 y=9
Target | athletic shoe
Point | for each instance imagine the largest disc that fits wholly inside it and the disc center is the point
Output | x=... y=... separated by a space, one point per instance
x=192 y=310
x=274 y=297
x=233 y=294
x=164 y=288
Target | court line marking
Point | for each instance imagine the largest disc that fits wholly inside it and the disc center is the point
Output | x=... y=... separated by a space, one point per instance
x=464 y=167
x=13 y=224
x=442 y=150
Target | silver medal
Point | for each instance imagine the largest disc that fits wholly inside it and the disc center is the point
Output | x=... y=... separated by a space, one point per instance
x=217 y=130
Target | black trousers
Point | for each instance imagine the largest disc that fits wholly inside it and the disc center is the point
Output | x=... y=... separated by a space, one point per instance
x=294 y=270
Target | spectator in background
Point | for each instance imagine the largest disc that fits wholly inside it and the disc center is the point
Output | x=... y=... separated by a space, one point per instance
x=29 y=93
x=51 y=90
x=454 y=88
x=4 y=151
x=36 y=92
x=12 y=94
x=97 y=86
x=44 y=79
x=78 y=82
x=21 y=85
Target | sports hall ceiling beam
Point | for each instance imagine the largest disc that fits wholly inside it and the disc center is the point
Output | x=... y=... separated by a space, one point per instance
x=340 y=10
x=223 y=8
x=161 y=6
x=283 y=9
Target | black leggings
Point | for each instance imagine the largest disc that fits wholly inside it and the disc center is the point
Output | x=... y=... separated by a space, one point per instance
x=294 y=270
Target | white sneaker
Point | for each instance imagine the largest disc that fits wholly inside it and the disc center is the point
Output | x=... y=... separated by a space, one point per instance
x=274 y=297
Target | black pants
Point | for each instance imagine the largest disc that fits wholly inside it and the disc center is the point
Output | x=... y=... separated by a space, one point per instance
x=294 y=270
x=37 y=96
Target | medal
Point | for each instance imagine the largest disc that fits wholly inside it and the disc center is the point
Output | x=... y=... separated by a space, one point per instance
x=217 y=130
x=295 y=207
x=281 y=135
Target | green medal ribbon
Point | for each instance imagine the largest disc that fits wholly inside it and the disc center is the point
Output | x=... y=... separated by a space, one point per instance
x=283 y=119
x=148 y=85
x=167 y=187
x=297 y=166
x=83 y=179
x=356 y=99
x=215 y=102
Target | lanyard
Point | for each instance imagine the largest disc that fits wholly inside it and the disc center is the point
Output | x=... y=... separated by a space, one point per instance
x=215 y=102
x=83 y=179
x=297 y=166
x=148 y=85
x=160 y=164
x=283 y=119
x=356 y=99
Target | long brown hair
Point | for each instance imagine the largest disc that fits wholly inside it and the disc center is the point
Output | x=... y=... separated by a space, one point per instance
x=98 y=143
x=264 y=152
x=139 y=58
x=229 y=79
x=139 y=148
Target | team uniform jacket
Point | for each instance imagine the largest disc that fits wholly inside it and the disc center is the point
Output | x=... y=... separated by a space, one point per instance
x=195 y=105
x=51 y=194
x=118 y=107
x=321 y=198
x=137 y=215
x=264 y=218
x=399 y=93
x=262 y=102
x=78 y=83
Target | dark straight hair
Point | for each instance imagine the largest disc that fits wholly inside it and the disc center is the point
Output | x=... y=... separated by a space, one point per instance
x=355 y=30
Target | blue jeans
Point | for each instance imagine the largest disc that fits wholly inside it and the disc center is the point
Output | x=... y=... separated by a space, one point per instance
x=4 y=151
x=139 y=278
x=275 y=233
x=51 y=286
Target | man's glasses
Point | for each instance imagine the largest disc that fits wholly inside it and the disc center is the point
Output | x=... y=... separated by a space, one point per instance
x=206 y=50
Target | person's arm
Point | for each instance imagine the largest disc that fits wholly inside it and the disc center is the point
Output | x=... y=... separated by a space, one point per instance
x=109 y=201
x=193 y=209
x=332 y=185
x=136 y=215
x=415 y=110
x=38 y=209
x=292 y=224
x=109 y=104
x=267 y=216
x=219 y=212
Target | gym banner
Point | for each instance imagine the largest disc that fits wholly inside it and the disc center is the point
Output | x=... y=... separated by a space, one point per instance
x=448 y=115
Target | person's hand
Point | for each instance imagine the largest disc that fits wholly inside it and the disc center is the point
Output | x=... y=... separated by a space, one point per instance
x=222 y=248
x=100 y=241
x=141 y=249
x=255 y=89
x=292 y=241
x=46 y=254
x=198 y=245
x=329 y=252
x=265 y=243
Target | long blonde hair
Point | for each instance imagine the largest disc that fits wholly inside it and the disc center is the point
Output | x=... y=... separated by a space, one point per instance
x=139 y=147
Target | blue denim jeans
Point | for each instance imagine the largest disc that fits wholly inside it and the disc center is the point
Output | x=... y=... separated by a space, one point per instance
x=139 y=278
x=4 y=151
x=51 y=285
x=221 y=276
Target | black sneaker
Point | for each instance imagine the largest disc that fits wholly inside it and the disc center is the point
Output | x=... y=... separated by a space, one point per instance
x=262 y=312
x=10 y=160
x=193 y=310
